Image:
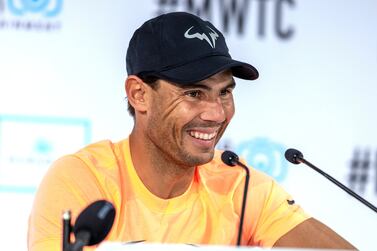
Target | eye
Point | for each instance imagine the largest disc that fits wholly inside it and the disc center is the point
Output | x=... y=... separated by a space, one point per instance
x=193 y=93
x=226 y=91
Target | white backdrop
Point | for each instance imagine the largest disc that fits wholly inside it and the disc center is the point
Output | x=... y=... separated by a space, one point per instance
x=62 y=72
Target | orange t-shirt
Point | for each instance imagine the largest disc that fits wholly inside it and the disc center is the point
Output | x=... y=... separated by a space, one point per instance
x=207 y=213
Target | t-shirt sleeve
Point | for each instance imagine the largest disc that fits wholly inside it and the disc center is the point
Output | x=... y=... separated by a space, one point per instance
x=68 y=184
x=273 y=212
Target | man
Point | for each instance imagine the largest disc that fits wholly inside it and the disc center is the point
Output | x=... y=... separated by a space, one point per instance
x=166 y=181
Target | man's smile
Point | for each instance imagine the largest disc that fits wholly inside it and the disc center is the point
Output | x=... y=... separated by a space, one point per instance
x=203 y=135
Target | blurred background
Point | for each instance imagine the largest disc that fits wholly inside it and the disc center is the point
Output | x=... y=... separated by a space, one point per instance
x=62 y=72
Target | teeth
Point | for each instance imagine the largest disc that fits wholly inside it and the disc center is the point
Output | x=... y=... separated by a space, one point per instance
x=204 y=136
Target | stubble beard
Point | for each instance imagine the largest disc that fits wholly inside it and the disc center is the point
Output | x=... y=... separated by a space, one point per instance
x=167 y=149
x=179 y=155
x=168 y=146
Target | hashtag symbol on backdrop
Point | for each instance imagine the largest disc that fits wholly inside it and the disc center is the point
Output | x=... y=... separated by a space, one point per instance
x=166 y=6
x=359 y=170
x=2 y=6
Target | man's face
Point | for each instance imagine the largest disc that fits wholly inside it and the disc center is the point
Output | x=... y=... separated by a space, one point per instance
x=184 y=123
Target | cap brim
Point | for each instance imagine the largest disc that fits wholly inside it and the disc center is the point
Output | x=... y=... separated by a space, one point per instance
x=204 y=68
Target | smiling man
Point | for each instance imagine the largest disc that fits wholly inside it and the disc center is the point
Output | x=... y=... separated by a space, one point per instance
x=166 y=180
x=177 y=128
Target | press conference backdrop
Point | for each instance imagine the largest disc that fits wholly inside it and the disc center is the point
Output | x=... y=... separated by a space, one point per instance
x=62 y=72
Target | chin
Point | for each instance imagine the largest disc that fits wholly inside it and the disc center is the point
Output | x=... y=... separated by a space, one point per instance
x=201 y=158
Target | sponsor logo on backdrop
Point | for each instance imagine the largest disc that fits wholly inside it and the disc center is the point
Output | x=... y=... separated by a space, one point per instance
x=363 y=171
x=262 y=154
x=29 y=145
x=269 y=20
x=30 y=15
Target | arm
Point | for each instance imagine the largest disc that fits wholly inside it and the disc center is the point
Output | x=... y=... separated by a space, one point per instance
x=313 y=234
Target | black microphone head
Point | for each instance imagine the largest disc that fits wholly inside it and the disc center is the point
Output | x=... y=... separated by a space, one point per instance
x=97 y=219
x=229 y=158
x=294 y=156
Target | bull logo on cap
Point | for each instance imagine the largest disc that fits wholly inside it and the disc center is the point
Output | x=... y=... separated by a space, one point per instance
x=204 y=36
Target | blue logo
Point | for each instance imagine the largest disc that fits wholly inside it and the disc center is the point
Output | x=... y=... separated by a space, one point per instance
x=29 y=145
x=43 y=146
x=48 y=8
x=265 y=155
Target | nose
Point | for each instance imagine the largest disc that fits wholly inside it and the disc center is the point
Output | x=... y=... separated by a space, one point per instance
x=213 y=111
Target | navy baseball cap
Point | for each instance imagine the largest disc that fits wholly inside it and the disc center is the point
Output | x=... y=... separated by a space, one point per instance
x=182 y=48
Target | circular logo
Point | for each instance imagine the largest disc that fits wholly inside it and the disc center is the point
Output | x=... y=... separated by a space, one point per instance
x=48 y=8
x=35 y=5
x=265 y=155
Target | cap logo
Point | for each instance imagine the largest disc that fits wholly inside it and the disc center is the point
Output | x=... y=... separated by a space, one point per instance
x=204 y=36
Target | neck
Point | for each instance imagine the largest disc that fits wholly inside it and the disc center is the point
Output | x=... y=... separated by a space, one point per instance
x=159 y=174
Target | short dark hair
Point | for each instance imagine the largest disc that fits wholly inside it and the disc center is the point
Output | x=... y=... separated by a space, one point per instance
x=152 y=81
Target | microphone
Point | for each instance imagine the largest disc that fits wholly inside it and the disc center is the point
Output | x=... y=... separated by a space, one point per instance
x=296 y=157
x=231 y=159
x=91 y=226
x=67 y=229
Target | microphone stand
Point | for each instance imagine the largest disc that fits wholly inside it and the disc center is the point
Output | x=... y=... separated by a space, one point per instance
x=336 y=182
x=246 y=186
x=231 y=159
x=67 y=229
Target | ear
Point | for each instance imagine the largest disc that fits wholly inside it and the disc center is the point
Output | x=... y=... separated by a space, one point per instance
x=136 y=93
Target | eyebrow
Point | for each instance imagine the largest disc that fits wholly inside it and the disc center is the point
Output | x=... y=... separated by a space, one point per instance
x=232 y=85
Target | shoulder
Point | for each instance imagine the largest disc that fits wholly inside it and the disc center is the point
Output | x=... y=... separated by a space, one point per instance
x=101 y=153
x=92 y=159
x=87 y=175
x=101 y=150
